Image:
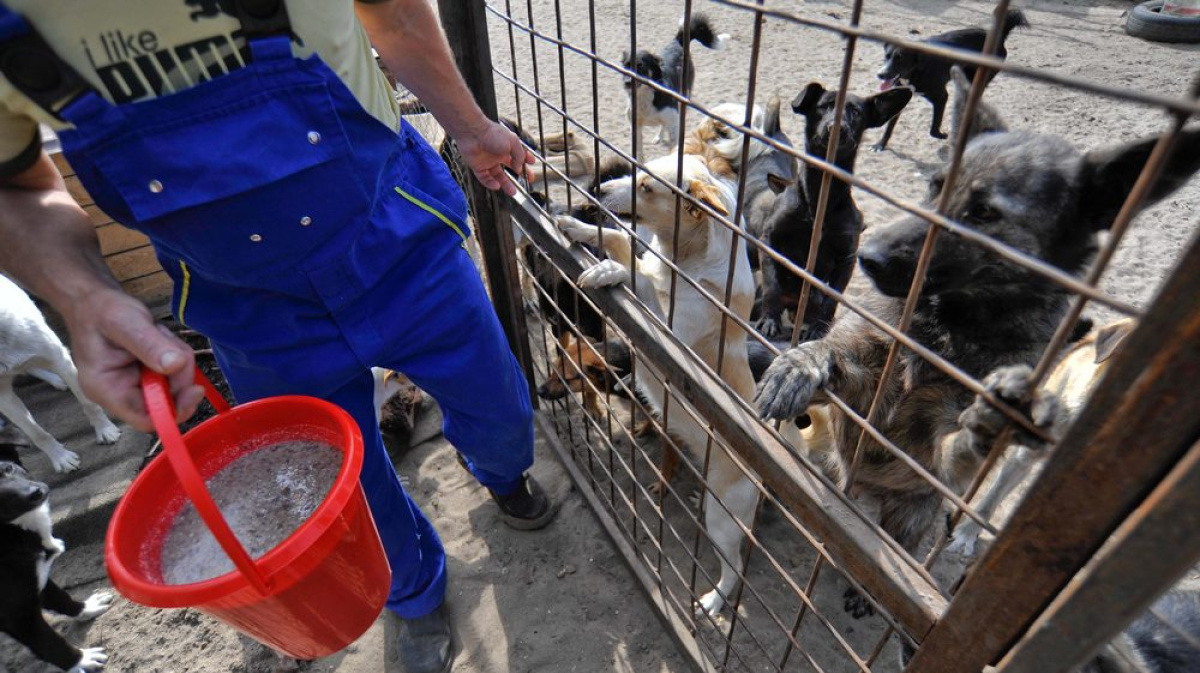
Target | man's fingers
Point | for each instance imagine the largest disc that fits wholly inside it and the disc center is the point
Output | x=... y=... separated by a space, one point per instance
x=161 y=351
x=518 y=155
x=187 y=401
x=130 y=407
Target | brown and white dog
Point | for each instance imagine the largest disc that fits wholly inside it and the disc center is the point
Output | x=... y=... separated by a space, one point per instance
x=1070 y=383
x=704 y=254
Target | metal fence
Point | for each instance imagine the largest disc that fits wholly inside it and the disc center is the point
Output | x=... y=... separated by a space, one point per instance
x=667 y=445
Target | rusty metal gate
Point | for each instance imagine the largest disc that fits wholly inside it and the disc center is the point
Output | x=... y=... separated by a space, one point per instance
x=1110 y=524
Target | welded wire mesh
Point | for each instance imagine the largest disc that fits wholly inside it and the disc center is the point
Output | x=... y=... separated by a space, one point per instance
x=805 y=601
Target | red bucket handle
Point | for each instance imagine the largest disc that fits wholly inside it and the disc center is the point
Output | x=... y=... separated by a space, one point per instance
x=157 y=393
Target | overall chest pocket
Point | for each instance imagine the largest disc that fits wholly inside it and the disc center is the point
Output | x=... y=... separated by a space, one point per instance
x=243 y=190
x=216 y=154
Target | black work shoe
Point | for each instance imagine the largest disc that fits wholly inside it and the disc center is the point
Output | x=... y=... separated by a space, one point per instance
x=424 y=643
x=526 y=508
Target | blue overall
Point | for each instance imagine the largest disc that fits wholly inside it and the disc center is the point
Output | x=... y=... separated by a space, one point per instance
x=310 y=242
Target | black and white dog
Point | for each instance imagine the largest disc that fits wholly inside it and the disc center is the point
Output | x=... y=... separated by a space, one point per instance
x=669 y=69
x=27 y=550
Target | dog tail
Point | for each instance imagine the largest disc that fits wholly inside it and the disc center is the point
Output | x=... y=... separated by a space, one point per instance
x=1014 y=19
x=701 y=30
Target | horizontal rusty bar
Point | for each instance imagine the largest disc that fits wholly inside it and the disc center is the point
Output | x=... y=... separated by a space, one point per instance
x=1155 y=546
x=1141 y=418
x=892 y=577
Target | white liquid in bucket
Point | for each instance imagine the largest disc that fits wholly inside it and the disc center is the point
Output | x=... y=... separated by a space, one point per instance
x=264 y=495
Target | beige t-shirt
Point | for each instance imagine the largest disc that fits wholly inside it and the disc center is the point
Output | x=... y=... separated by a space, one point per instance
x=137 y=49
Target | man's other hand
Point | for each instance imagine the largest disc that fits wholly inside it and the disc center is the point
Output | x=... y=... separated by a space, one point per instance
x=112 y=336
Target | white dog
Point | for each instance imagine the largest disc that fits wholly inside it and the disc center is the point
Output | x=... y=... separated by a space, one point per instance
x=29 y=346
x=704 y=253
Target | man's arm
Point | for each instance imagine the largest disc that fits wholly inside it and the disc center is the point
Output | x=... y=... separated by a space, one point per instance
x=409 y=39
x=48 y=244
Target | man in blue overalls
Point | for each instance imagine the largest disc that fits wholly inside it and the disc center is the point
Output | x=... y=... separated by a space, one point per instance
x=310 y=234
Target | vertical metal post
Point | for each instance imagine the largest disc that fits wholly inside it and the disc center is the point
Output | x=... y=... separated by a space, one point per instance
x=1139 y=422
x=465 y=23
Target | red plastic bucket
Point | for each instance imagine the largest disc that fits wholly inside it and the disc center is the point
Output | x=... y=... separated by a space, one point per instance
x=310 y=596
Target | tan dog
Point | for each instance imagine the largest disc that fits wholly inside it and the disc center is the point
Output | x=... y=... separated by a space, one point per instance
x=703 y=253
x=568 y=155
x=1070 y=383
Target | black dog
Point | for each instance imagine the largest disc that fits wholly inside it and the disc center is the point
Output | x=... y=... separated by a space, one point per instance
x=27 y=550
x=669 y=70
x=929 y=74
x=789 y=227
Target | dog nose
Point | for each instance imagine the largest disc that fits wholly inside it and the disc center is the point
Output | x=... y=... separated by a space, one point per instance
x=872 y=260
x=543 y=391
x=37 y=493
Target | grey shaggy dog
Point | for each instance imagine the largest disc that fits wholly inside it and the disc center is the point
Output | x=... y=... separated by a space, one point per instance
x=989 y=317
x=1150 y=646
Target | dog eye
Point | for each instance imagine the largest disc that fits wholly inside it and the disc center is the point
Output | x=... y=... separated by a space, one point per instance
x=982 y=212
x=645 y=186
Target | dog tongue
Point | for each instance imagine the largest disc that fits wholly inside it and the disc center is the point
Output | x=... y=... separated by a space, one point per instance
x=887 y=84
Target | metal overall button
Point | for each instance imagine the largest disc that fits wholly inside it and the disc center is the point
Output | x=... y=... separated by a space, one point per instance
x=256 y=238
x=314 y=137
x=155 y=186
x=305 y=221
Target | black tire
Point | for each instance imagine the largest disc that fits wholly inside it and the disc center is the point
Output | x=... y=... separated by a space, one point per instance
x=1147 y=22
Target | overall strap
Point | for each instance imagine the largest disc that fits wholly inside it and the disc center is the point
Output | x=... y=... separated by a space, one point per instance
x=259 y=18
x=33 y=67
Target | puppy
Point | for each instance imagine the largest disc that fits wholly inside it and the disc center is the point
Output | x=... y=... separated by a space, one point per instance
x=929 y=74
x=703 y=253
x=27 y=550
x=579 y=367
x=397 y=400
x=31 y=347
x=1034 y=192
x=1070 y=383
x=789 y=226
x=669 y=70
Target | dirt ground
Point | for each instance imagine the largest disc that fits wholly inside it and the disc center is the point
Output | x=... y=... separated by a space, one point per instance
x=560 y=600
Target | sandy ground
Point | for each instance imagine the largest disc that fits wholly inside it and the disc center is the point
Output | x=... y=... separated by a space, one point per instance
x=560 y=599
x=552 y=600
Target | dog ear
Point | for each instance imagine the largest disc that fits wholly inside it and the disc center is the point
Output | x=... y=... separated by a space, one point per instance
x=777 y=183
x=1109 y=175
x=653 y=65
x=707 y=194
x=986 y=118
x=805 y=103
x=566 y=341
x=1110 y=337
x=886 y=104
x=771 y=125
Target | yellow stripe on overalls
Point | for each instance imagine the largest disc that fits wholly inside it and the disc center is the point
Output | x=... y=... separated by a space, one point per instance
x=183 y=294
x=433 y=211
